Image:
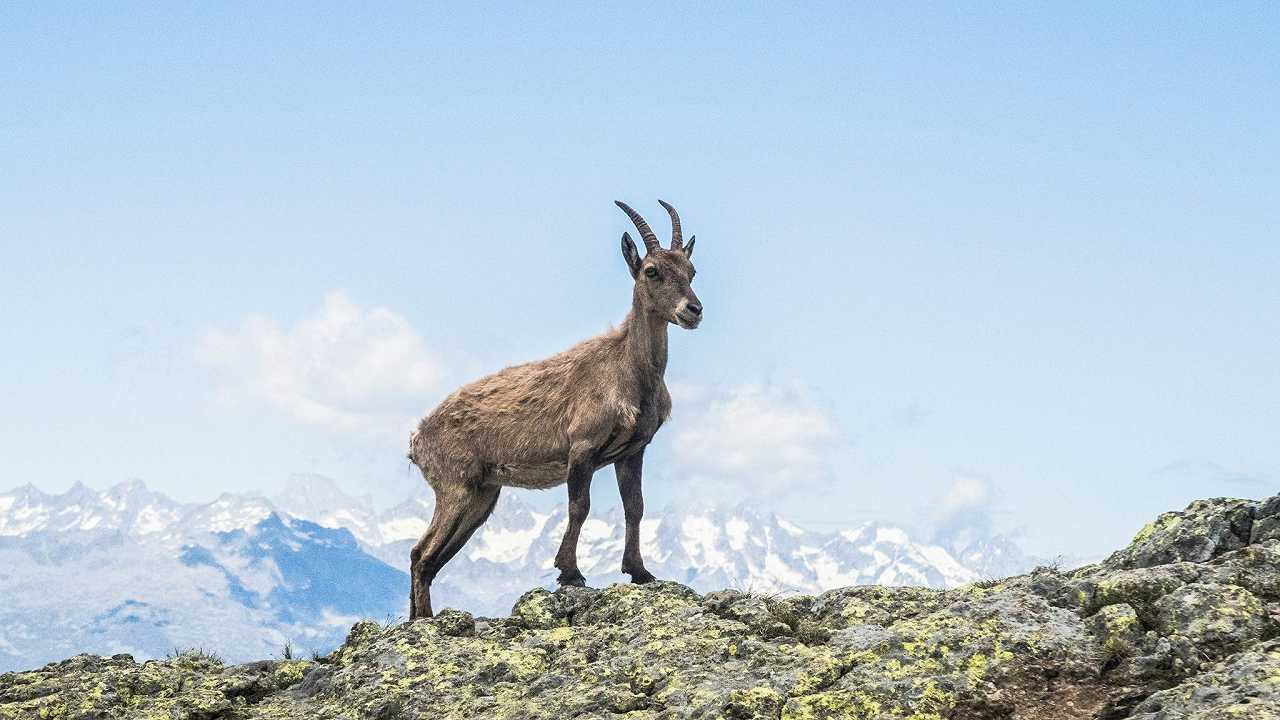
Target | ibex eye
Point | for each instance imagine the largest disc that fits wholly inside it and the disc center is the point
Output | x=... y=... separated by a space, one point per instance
x=651 y=272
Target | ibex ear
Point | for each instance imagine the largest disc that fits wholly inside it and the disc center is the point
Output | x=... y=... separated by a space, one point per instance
x=688 y=248
x=631 y=255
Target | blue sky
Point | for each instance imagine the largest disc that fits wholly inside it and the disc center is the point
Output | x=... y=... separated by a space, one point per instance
x=1016 y=263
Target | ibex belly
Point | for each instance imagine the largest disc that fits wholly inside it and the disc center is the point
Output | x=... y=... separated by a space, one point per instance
x=534 y=476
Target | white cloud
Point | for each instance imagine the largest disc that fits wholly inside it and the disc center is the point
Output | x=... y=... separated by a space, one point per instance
x=964 y=512
x=967 y=492
x=760 y=440
x=1198 y=473
x=344 y=367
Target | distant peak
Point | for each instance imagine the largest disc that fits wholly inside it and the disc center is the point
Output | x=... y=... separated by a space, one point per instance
x=132 y=486
x=707 y=506
x=512 y=502
x=80 y=490
x=27 y=490
x=269 y=523
x=310 y=492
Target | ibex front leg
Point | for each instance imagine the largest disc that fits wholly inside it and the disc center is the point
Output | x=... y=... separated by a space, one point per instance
x=581 y=468
x=628 y=471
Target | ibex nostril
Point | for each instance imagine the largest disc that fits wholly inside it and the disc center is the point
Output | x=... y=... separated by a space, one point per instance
x=694 y=308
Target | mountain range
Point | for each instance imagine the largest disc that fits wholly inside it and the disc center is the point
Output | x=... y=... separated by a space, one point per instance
x=130 y=570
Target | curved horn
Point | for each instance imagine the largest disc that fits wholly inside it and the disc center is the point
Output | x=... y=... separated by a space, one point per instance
x=646 y=232
x=677 y=240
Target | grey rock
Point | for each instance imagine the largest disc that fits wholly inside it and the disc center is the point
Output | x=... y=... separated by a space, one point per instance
x=1266 y=522
x=455 y=623
x=1255 y=568
x=1217 y=619
x=1179 y=625
x=1140 y=588
x=1244 y=686
x=1204 y=530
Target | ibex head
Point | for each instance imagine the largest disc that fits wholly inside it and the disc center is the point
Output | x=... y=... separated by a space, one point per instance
x=663 y=275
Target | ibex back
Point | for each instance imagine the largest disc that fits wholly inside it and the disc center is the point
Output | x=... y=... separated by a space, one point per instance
x=558 y=421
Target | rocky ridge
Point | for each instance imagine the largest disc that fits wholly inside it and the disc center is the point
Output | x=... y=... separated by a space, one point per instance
x=244 y=574
x=1182 y=623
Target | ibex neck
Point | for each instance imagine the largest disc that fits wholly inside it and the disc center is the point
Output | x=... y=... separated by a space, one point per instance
x=646 y=340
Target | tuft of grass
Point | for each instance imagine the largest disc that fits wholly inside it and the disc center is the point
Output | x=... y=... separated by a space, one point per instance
x=195 y=653
x=749 y=589
x=286 y=652
x=1053 y=566
x=1116 y=651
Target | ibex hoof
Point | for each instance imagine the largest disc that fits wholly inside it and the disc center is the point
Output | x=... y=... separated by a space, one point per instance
x=574 y=578
x=641 y=576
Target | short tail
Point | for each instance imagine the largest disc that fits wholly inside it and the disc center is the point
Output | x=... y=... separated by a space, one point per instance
x=413 y=446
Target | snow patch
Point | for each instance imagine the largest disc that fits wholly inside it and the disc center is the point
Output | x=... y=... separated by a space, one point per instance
x=342 y=519
x=854 y=535
x=778 y=570
x=828 y=573
x=791 y=528
x=699 y=540
x=650 y=548
x=953 y=572
x=594 y=530
x=894 y=536
x=151 y=520
x=504 y=546
x=736 y=529
x=407 y=528
x=229 y=515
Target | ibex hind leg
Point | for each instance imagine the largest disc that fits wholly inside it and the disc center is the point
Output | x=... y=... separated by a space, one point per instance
x=479 y=510
x=456 y=517
x=445 y=516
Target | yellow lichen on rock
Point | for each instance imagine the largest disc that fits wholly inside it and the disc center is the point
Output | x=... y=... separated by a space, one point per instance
x=1186 y=616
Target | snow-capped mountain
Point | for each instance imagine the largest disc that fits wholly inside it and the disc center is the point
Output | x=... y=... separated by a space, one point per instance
x=706 y=547
x=128 y=507
x=130 y=570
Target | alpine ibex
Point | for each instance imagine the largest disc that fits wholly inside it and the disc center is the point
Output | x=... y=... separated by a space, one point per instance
x=558 y=421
